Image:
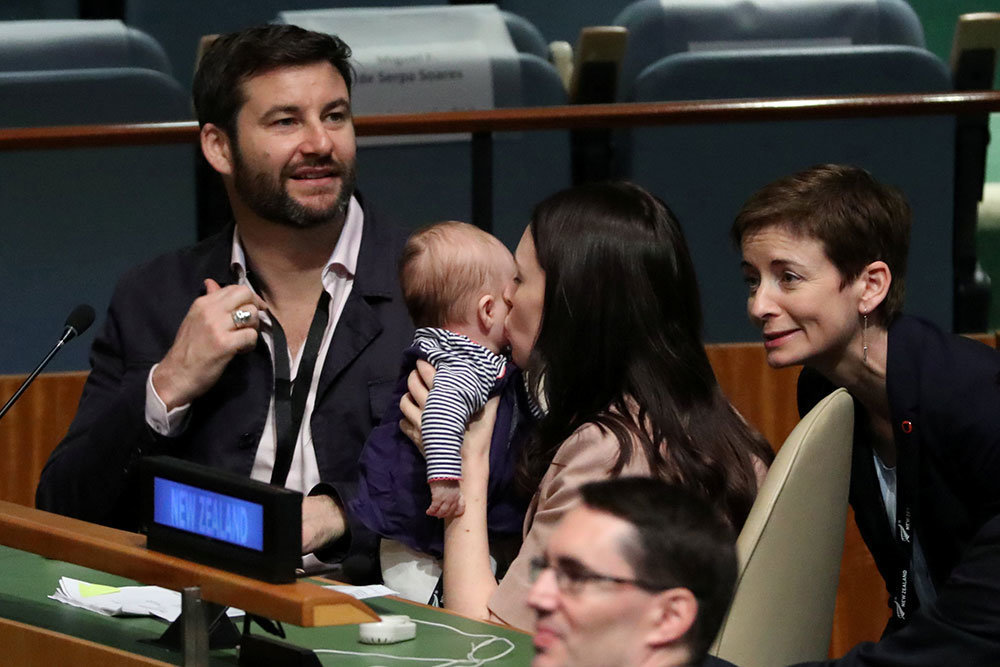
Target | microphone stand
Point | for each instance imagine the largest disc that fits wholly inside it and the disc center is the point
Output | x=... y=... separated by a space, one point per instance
x=69 y=333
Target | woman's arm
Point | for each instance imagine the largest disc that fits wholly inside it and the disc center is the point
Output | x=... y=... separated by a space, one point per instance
x=468 y=578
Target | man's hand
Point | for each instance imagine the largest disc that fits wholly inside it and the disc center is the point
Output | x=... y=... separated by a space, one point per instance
x=322 y=522
x=207 y=340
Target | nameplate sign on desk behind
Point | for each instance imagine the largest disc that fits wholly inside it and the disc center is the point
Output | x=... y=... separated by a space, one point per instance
x=418 y=59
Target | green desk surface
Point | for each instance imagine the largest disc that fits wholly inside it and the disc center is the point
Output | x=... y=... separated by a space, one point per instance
x=26 y=581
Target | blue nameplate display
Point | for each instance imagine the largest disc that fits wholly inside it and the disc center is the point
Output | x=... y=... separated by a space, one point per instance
x=207 y=513
x=221 y=519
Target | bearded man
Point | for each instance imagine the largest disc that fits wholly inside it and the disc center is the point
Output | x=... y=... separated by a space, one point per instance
x=271 y=348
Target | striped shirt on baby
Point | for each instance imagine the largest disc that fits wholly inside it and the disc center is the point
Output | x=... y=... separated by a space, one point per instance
x=465 y=374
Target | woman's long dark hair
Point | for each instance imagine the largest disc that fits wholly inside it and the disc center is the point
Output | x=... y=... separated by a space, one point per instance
x=619 y=345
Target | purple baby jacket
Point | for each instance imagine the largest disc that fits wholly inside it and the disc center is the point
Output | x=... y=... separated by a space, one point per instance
x=393 y=494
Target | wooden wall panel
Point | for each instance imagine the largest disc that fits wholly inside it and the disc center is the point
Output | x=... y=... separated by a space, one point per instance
x=32 y=428
x=764 y=396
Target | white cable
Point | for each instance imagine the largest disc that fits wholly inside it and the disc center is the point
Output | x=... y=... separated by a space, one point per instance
x=469 y=660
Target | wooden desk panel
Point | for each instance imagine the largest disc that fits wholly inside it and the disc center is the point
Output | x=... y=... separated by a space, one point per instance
x=44 y=632
x=29 y=646
x=125 y=554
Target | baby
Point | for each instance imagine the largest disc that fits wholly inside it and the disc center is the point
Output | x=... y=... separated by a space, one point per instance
x=453 y=276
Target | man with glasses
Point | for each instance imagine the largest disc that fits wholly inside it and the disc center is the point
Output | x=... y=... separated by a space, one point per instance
x=641 y=573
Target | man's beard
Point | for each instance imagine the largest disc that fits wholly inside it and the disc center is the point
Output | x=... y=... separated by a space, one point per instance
x=268 y=198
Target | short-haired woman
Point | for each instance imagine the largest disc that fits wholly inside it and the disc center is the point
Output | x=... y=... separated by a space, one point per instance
x=824 y=257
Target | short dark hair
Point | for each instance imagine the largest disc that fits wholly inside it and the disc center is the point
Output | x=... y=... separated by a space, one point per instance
x=232 y=59
x=680 y=541
x=857 y=219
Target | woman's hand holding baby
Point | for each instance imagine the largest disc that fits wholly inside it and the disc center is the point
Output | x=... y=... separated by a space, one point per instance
x=418 y=385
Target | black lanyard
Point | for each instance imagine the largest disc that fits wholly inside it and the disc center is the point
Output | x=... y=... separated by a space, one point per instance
x=908 y=463
x=290 y=397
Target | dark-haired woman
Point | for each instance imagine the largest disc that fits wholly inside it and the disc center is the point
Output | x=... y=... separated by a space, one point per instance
x=824 y=256
x=605 y=319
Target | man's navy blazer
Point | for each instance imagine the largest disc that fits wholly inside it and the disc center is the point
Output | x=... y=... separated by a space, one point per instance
x=90 y=475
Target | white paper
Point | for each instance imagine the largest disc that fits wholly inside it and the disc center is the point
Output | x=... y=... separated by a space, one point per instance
x=123 y=601
x=363 y=592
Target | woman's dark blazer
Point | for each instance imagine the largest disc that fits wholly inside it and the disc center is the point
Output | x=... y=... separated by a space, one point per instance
x=944 y=403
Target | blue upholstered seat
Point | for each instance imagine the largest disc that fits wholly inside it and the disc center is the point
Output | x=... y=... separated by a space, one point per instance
x=75 y=219
x=706 y=172
x=563 y=19
x=77 y=44
x=660 y=28
x=721 y=49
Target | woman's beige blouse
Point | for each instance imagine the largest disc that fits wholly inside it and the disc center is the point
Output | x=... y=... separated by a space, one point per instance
x=587 y=455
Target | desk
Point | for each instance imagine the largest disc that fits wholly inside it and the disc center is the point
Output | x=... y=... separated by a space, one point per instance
x=35 y=629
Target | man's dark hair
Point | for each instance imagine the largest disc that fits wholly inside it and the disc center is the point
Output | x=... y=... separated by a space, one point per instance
x=680 y=541
x=857 y=219
x=232 y=59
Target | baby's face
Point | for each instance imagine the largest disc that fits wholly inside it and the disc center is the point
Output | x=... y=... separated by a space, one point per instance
x=506 y=272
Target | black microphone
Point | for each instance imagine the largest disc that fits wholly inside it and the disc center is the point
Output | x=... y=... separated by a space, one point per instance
x=78 y=321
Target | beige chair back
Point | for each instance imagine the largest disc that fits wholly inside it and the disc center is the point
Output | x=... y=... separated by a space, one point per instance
x=790 y=548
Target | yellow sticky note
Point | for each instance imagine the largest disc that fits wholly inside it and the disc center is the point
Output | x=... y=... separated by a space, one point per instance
x=90 y=590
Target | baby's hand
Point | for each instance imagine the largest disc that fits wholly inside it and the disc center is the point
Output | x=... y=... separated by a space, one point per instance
x=446 y=499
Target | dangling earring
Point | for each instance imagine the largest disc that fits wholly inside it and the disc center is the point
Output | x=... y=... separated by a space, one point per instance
x=864 y=338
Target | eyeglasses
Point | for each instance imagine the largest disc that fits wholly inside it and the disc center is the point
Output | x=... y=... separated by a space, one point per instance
x=572 y=576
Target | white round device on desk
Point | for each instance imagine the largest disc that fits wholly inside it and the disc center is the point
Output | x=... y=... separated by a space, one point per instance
x=390 y=630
